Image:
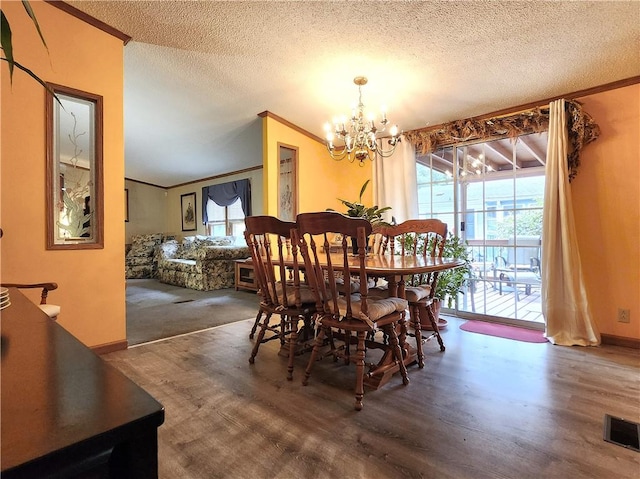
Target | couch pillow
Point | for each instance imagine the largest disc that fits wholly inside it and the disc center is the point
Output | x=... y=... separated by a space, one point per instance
x=168 y=249
x=144 y=245
x=141 y=250
x=185 y=245
x=187 y=241
x=155 y=238
x=214 y=241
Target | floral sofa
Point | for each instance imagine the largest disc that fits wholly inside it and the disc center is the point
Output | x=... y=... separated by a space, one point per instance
x=201 y=262
x=141 y=259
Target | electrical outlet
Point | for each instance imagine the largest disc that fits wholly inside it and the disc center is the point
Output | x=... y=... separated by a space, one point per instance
x=623 y=315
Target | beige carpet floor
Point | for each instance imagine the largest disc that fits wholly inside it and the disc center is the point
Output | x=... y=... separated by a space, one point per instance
x=156 y=310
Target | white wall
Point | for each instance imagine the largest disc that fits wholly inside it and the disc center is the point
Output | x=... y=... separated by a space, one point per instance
x=147 y=209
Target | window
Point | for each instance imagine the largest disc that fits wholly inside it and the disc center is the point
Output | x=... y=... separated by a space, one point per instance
x=225 y=220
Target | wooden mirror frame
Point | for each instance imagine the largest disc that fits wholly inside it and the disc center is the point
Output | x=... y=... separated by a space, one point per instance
x=287 y=182
x=55 y=181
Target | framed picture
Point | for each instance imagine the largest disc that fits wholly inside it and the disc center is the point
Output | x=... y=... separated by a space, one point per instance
x=287 y=182
x=126 y=205
x=188 y=210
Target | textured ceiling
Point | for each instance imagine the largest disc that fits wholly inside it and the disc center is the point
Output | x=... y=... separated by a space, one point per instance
x=198 y=72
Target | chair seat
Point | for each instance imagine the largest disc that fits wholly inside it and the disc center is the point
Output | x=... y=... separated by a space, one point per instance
x=378 y=307
x=50 y=310
x=354 y=286
x=417 y=293
x=306 y=295
x=413 y=294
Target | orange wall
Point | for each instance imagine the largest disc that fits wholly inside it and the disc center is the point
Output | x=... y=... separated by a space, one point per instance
x=91 y=283
x=606 y=200
x=320 y=179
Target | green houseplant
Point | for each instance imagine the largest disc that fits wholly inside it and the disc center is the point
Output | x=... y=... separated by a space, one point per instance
x=452 y=281
x=356 y=209
x=6 y=43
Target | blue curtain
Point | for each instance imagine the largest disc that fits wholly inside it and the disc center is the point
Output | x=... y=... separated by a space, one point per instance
x=226 y=194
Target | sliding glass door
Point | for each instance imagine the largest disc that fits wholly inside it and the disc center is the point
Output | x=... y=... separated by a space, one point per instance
x=491 y=195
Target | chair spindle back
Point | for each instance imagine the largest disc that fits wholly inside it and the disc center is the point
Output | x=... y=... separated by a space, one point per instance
x=312 y=240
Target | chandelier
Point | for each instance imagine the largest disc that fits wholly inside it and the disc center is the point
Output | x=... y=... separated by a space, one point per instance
x=358 y=135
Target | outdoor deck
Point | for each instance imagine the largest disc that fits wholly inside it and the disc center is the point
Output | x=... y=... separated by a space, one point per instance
x=512 y=303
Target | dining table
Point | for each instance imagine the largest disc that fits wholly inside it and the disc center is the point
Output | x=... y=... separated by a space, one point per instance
x=394 y=269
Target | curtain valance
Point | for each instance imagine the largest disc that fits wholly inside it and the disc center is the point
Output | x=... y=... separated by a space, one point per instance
x=582 y=130
x=226 y=194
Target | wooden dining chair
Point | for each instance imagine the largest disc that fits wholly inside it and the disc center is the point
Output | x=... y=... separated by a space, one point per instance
x=344 y=314
x=417 y=236
x=280 y=288
x=51 y=310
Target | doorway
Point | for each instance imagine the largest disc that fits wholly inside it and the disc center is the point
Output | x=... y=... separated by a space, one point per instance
x=491 y=195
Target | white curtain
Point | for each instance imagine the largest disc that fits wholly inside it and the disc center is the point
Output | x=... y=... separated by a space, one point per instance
x=565 y=305
x=395 y=183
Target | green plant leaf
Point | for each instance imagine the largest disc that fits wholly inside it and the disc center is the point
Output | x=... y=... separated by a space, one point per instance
x=5 y=42
x=364 y=187
x=35 y=77
x=357 y=210
x=451 y=282
x=29 y=10
x=7 y=48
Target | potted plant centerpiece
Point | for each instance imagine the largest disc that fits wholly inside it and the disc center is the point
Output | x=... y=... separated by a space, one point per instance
x=356 y=209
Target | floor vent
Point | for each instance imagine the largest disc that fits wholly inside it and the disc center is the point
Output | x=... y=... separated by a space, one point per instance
x=183 y=301
x=622 y=432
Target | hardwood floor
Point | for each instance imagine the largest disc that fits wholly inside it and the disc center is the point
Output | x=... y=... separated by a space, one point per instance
x=485 y=408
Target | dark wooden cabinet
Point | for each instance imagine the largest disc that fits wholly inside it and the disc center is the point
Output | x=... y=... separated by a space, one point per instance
x=66 y=413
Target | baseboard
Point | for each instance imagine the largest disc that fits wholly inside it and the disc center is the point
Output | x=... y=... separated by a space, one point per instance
x=620 y=341
x=110 y=347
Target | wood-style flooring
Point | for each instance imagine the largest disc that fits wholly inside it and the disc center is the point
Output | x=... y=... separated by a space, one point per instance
x=485 y=408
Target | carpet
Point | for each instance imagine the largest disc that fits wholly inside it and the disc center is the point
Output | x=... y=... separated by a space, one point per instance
x=157 y=310
x=504 y=331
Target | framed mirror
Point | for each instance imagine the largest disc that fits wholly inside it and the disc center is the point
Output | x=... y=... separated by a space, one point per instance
x=74 y=186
